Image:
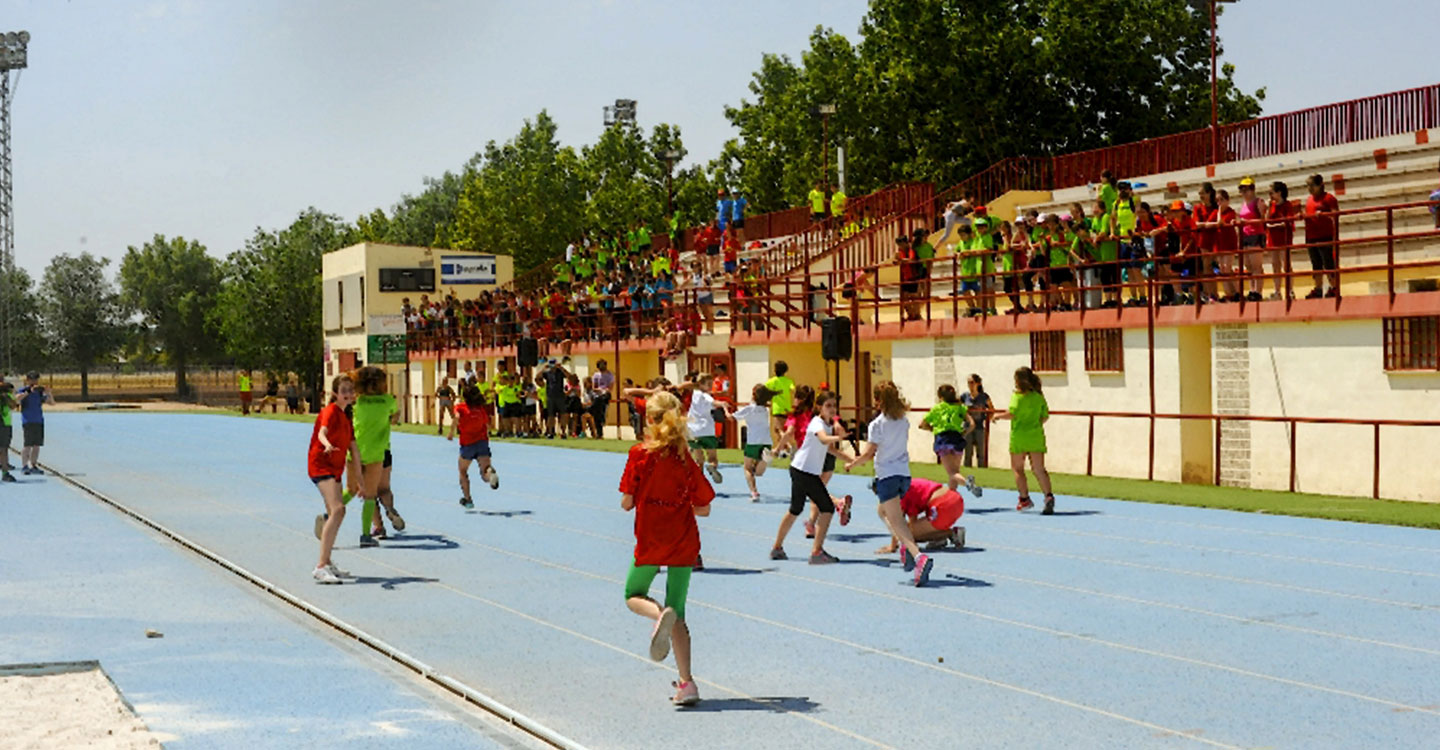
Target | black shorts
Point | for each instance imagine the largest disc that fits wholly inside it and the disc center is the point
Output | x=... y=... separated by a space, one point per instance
x=908 y=288
x=324 y=478
x=805 y=487
x=1109 y=273
x=389 y=460
x=1061 y=275
x=829 y=463
x=292 y=401
x=737 y=223
x=1324 y=256
x=33 y=434
x=817 y=218
x=712 y=249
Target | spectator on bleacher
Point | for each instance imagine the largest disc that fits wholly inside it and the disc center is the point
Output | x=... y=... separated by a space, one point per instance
x=986 y=229
x=925 y=254
x=1105 y=232
x=737 y=217
x=730 y=252
x=1130 y=263
x=677 y=235
x=1141 y=260
x=1322 y=232
x=1060 y=246
x=969 y=281
x=724 y=206
x=1435 y=206
x=1176 y=255
x=838 y=200
x=1109 y=190
x=817 y=202
x=1015 y=260
x=909 y=279
x=1252 y=238
x=1227 y=244
x=1206 y=213
x=698 y=290
x=712 y=239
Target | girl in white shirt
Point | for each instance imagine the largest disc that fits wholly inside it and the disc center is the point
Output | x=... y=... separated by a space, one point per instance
x=887 y=443
x=805 y=482
x=756 y=416
x=701 y=423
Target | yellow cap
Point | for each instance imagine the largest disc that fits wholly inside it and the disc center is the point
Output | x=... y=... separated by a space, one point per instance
x=1247 y=181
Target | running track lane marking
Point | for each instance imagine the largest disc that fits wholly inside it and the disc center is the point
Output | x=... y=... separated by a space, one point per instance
x=392 y=653
x=471 y=695
x=1016 y=623
x=1292 y=535
x=869 y=649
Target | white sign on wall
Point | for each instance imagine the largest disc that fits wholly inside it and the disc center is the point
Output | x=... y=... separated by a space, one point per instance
x=467 y=269
x=386 y=325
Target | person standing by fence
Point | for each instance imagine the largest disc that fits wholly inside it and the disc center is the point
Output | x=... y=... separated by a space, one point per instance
x=8 y=405
x=977 y=403
x=244 y=379
x=33 y=398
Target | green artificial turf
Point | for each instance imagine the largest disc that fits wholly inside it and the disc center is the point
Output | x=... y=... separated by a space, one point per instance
x=1334 y=507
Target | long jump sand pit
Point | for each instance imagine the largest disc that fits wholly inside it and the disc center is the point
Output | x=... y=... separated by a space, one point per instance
x=66 y=705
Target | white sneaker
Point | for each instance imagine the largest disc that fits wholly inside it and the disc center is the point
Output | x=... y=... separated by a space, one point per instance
x=660 y=636
x=957 y=537
x=767 y=455
x=493 y=479
x=975 y=490
x=323 y=575
x=338 y=572
x=716 y=475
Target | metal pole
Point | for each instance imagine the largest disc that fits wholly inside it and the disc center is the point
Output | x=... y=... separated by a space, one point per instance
x=825 y=149
x=1375 y=491
x=1150 y=351
x=1214 y=92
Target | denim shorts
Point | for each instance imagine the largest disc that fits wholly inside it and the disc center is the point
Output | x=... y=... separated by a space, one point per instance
x=892 y=488
x=477 y=449
x=970 y=286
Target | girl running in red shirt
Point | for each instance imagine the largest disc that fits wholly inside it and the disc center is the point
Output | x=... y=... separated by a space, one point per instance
x=666 y=489
x=473 y=421
x=330 y=444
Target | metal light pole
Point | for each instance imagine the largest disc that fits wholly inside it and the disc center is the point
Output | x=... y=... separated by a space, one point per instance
x=1215 y=82
x=669 y=156
x=825 y=111
x=12 y=57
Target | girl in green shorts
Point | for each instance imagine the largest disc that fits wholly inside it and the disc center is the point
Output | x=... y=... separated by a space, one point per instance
x=1028 y=413
x=667 y=490
x=756 y=416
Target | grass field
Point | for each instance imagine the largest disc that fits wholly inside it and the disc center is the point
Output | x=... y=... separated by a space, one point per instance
x=1334 y=507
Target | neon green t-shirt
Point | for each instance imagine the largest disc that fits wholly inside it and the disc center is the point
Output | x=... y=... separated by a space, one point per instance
x=970 y=260
x=1109 y=195
x=837 y=203
x=817 y=202
x=5 y=419
x=944 y=417
x=784 y=388
x=642 y=236
x=660 y=264
x=372 y=426
x=509 y=394
x=583 y=267
x=1059 y=246
x=925 y=251
x=244 y=383
x=562 y=271
x=1105 y=250
x=1027 y=422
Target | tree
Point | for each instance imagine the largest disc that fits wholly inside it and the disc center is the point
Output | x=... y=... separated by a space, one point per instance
x=173 y=284
x=269 y=307
x=81 y=312
x=27 y=341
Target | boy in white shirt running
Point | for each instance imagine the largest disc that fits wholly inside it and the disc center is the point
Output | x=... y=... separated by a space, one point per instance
x=756 y=416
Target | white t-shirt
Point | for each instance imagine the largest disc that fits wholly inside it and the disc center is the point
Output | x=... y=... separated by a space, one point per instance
x=699 y=420
x=810 y=458
x=891 y=438
x=757 y=423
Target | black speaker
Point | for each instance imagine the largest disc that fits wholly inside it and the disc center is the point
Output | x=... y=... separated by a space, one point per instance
x=528 y=352
x=835 y=338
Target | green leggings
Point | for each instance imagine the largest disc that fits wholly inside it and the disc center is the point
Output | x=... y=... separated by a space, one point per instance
x=367 y=510
x=677 y=584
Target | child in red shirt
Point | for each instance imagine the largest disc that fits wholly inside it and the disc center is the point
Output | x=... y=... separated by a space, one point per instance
x=931 y=509
x=1227 y=243
x=330 y=444
x=472 y=419
x=667 y=490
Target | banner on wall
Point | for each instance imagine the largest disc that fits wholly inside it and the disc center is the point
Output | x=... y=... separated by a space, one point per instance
x=467 y=269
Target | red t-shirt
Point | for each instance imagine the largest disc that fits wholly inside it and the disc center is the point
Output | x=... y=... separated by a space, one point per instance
x=732 y=251
x=917 y=498
x=473 y=425
x=1205 y=237
x=1284 y=234
x=667 y=487
x=340 y=435
x=942 y=512
x=1320 y=227
x=1228 y=236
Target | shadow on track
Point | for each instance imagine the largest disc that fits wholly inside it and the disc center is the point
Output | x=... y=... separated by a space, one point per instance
x=774 y=704
x=428 y=542
x=391 y=583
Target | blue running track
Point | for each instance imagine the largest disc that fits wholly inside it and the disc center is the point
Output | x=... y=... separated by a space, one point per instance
x=1109 y=625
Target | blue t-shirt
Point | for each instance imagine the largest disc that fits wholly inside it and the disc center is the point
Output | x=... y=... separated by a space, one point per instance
x=739 y=208
x=31 y=409
x=723 y=207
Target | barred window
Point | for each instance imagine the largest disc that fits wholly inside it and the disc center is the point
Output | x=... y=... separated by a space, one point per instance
x=1104 y=350
x=1412 y=343
x=1047 y=351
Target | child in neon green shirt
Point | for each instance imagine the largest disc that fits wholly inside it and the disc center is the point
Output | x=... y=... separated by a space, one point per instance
x=1028 y=413
x=375 y=410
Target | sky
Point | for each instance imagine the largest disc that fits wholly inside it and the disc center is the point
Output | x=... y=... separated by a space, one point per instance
x=210 y=118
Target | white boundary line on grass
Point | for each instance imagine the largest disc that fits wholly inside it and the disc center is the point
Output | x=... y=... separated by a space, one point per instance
x=469 y=694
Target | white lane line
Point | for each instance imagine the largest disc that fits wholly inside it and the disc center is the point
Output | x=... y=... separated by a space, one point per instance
x=1204 y=548
x=1286 y=534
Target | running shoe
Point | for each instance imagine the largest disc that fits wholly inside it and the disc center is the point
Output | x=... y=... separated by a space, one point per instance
x=937 y=545
x=395 y=519
x=845 y=510
x=823 y=558
x=494 y=479
x=380 y=533
x=1049 y=509
x=778 y=554
x=754 y=496
x=957 y=537
x=767 y=455
x=338 y=572
x=8 y=477
x=319 y=525
x=699 y=563
x=970 y=485
x=323 y=575
x=906 y=561
x=660 y=636
x=809 y=529
x=467 y=503
x=1024 y=504
x=368 y=541
x=686 y=694
x=923 y=564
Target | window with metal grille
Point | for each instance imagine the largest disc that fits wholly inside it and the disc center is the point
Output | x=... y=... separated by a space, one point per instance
x=1104 y=350
x=1412 y=343
x=1047 y=351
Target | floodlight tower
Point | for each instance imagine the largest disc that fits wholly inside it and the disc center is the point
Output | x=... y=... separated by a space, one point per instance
x=12 y=57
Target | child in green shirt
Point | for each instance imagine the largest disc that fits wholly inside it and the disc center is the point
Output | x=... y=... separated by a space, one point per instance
x=375 y=410
x=1028 y=413
x=952 y=425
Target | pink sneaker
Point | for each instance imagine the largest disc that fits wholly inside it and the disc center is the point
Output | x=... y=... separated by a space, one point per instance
x=660 y=636
x=686 y=693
